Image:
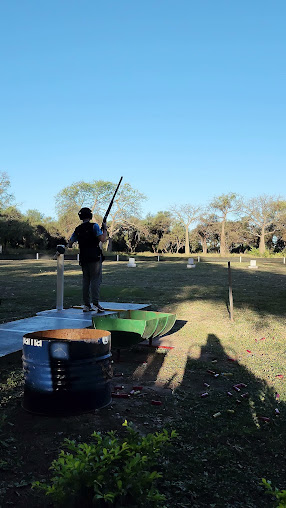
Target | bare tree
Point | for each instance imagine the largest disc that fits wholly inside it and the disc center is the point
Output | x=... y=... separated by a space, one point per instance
x=186 y=215
x=205 y=230
x=134 y=231
x=222 y=206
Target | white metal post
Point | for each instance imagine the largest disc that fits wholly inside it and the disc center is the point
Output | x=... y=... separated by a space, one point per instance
x=60 y=278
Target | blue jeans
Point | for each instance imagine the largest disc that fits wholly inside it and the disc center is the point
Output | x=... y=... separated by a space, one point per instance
x=91 y=281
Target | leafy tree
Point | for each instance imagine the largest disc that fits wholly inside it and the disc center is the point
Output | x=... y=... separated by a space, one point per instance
x=174 y=240
x=266 y=215
x=186 y=215
x=157 y=227
x=177 y=236
x=221 y=207
x=95 y=195
x=46 y=230
x=279 y=239
x=15 y=231
x=6 y=199
x=126 y=207
x=34 y=217
x=238 y=238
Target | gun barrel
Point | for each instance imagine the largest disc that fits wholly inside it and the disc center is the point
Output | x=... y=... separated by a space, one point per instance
x=111 y=202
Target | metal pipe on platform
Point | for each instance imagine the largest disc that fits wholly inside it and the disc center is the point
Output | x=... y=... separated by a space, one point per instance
x=60 y=276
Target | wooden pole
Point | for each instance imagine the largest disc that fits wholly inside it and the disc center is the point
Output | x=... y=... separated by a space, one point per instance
x=230 y=292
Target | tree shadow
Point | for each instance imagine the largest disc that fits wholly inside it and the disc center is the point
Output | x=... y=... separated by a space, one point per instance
x=261 y=290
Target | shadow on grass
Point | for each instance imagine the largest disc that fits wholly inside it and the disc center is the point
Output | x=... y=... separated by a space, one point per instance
x=162 y=284
x=179 y=324
x=230 y=438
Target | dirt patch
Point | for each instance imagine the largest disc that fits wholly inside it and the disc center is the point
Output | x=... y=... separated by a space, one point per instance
x=30 y=442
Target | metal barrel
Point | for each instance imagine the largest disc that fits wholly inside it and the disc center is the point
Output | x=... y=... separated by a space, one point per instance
x=66 y=371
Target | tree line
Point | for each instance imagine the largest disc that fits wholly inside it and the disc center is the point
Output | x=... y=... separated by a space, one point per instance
x=227 y=224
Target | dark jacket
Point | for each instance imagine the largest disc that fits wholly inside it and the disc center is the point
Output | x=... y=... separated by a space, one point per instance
x=88 y=243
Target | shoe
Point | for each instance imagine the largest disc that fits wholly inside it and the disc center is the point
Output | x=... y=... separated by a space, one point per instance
x=86 y=308
x=98 y=307
x=93 y=308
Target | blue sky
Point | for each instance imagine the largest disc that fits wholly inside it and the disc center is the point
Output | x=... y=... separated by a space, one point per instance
x=184 y=99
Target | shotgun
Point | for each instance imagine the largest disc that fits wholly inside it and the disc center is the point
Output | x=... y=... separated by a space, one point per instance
x=110 y=205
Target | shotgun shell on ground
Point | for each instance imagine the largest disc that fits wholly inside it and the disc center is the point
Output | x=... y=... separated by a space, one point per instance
x=217 y=414
x=156 y=402
x=264 y=418
x=204 y=394
x=120 y=395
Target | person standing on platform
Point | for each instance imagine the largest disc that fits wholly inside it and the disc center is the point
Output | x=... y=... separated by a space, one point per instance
x=89 y=235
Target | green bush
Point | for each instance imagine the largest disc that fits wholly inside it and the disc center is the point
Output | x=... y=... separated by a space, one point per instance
x=108 y=471
x=256 y=253
x=279 y=494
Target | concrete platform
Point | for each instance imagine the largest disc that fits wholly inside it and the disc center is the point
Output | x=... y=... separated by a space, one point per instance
x=11 y=334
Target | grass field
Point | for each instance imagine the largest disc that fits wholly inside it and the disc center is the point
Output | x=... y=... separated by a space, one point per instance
x=218 y=461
